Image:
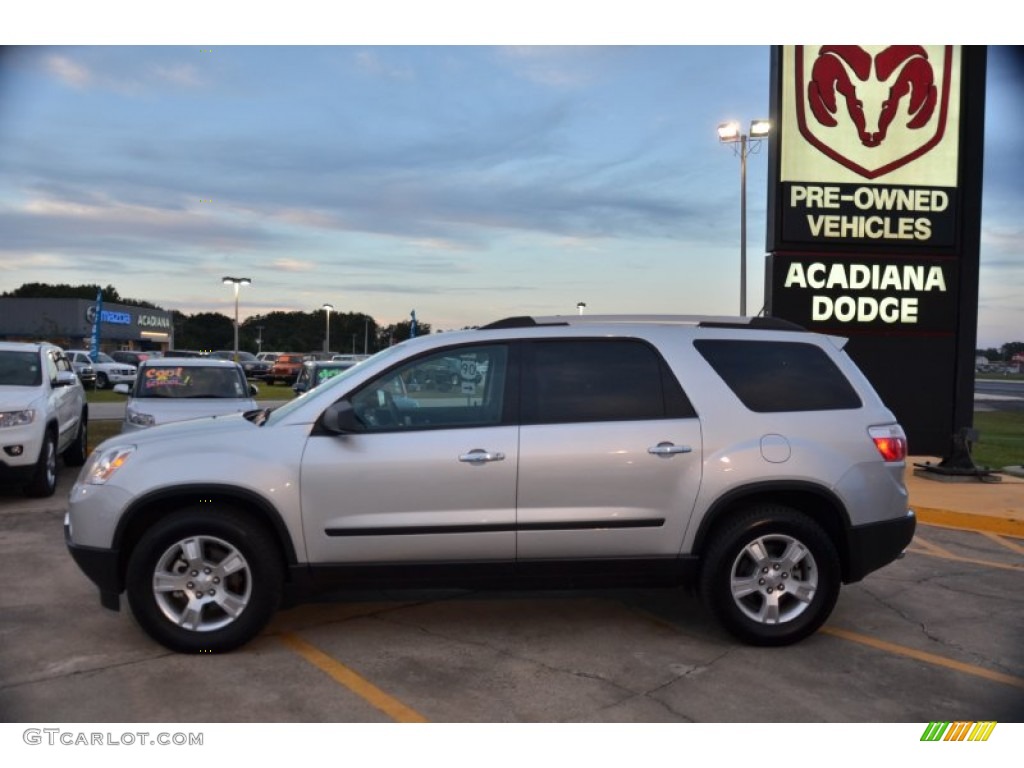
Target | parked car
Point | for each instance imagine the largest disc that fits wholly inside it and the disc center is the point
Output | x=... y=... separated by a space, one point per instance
x=285 y=368
x=267 y=357
x=85 y=372
x=108 y=371
x=178 y=389
x=133 y=357
x=184 y=353
x=43 y=414
x=747 y=457
x=315 y=372
x=254 y=367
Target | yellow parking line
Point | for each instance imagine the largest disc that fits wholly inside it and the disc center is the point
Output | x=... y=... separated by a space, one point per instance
x=1012 y=545
x=359 y=685
x=928 y=658
x=934 y=550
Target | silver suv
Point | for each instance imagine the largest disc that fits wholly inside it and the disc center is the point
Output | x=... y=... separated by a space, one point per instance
x=43 y=414
x=747 y=457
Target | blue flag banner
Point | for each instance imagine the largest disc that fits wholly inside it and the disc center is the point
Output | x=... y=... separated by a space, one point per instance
x=94 y=348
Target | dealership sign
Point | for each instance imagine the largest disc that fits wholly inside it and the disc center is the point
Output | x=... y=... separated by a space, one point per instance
x=871 y=153
x=108 y=316
x=874 y=198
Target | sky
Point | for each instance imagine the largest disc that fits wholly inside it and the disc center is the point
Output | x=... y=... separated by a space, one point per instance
x=465 y=182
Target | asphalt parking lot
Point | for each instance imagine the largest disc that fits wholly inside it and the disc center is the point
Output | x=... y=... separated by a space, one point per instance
x=935 y=636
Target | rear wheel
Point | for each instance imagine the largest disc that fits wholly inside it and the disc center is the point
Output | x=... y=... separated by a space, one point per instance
x=202 y=581
x=772 y=576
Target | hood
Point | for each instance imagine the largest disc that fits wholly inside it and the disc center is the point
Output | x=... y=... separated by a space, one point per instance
x=190 y=429
x=13 y=398
x=169 y=410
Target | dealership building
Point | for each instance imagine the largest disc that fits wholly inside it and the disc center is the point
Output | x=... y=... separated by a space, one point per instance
x=69 y=324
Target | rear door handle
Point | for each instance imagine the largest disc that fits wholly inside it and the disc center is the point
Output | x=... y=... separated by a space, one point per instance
x=480 y=456
x=667 y=449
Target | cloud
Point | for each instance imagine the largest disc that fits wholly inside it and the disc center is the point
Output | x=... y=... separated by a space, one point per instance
x=69 y=72
x=553 y=66
x=179 y=74
x=294 y=265
x=372 y=64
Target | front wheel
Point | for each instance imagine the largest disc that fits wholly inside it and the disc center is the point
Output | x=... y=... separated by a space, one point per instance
x=772 y=576
x=202 y=581
x=76 y=453
x=44 y=476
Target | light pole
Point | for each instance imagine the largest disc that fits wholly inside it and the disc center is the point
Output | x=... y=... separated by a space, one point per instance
x=327 y=308
x=238 y=282
x=730 y=133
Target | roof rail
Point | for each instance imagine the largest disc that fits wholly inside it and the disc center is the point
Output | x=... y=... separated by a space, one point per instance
x=700 y=321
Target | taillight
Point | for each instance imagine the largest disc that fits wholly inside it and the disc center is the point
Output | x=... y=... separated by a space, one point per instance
x=890 y=442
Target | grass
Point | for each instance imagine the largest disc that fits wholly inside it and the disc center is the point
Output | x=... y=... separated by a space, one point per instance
x=103 y=396
x=999 y=376
x=101 y=429
x=1001 y=439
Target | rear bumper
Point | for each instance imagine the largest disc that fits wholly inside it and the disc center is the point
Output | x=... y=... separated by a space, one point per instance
x=870 y=547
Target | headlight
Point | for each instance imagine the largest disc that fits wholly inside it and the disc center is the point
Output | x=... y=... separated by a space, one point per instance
x=138 y=419
x=17 y=418
x=103 y=464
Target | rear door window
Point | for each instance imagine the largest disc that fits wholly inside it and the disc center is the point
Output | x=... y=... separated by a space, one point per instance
x=582 y=380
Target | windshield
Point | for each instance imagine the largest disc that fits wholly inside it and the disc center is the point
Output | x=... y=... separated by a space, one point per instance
x=20 y=369
x=103 y=357
x=173 y=381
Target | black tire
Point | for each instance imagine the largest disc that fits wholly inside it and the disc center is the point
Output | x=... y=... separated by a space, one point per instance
x=771 y=576
x=102 y=382
x=44 y=476
x=76 y=453
x=231 y=564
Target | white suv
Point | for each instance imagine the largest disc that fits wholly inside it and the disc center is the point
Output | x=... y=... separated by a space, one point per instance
x=43 y=413
x=748 y=457
x=108 y=370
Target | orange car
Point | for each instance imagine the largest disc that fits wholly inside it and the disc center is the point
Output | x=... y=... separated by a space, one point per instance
x=285 y=369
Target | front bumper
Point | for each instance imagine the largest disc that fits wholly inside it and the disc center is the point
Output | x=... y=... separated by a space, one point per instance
x=870 y=547
x=102 y=568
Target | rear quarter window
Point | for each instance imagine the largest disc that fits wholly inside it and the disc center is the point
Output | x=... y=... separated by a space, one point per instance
x=776 y=376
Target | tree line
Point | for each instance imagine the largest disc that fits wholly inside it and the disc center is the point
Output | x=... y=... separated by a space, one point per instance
x=1003 y=354
x=350 y=332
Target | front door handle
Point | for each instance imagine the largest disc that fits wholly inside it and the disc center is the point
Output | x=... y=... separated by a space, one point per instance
x=667 y=449
x=480 y=456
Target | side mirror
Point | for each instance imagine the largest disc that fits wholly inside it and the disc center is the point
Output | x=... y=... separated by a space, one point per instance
x=122 y=389
x=340 y=418
x=65 y=379
x=253 y=390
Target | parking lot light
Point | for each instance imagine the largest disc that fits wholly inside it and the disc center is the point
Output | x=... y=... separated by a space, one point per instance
x=730 y=133
x=237 y=282
x=327 y=308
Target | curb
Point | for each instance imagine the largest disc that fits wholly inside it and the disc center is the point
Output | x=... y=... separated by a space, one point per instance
x=1007 y=526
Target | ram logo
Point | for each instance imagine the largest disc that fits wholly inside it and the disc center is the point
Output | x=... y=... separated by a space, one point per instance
x=873 y=108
